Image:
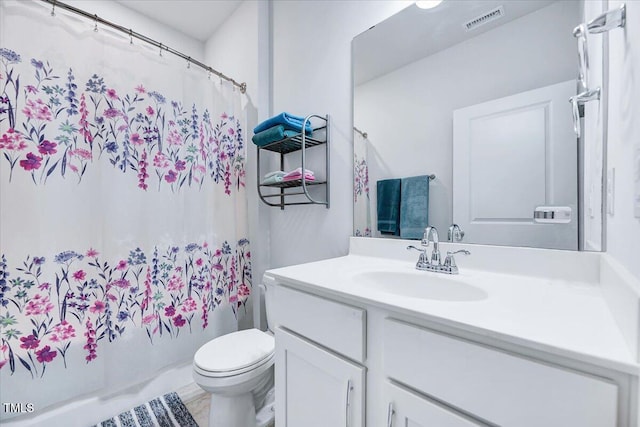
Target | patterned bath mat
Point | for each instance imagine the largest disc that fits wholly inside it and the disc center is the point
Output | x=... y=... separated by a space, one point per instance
x=165 y=411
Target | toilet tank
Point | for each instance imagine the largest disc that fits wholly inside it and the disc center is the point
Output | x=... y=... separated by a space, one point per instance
x=267 y=289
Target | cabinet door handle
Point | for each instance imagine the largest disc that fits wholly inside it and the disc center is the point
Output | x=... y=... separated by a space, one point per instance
x=390 y=413
x=348 y=403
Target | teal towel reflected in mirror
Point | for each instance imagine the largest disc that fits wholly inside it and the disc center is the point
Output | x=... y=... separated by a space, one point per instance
x=388 y=204
x=414 y=206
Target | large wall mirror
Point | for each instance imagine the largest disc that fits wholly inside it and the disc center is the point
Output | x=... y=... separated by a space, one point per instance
x=475 y=95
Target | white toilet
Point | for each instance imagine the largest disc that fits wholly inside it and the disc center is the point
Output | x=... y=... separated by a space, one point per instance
x=237 y=369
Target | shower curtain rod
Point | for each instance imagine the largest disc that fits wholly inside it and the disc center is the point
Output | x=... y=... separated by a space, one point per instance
x=364 y=134
x=132 y=34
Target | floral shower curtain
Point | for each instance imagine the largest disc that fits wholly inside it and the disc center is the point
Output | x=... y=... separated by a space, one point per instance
x=123 y=223
x=361 y=200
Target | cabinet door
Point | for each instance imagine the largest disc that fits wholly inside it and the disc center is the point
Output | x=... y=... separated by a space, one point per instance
x=409 y=409
x=315 y=388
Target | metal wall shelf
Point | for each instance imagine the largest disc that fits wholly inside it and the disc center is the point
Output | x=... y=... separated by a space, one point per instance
x=297 y=143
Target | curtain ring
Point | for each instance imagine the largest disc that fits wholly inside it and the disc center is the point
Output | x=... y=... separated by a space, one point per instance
x=53 y=8
x=95 y=23
x=160 y=49
x=188 y=63
x=130 y=36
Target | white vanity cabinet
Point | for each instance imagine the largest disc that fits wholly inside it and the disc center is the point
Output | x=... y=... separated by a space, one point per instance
x=492 y=385
x=328 y=349
x=316 y=383
x=407 y=408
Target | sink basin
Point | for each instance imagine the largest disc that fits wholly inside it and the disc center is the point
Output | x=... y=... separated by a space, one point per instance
x=420 y=284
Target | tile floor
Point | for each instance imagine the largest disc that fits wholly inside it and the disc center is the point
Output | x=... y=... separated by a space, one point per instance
x=197 y=402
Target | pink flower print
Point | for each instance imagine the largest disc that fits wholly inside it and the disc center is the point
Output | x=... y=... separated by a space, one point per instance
x=111 y=113
x=180 y=165
x=171 y=177
x=224 y=116
x=169 y=311
x=205 y=245
x=231 y=131
x=44 y=286
x=63 y=332
x=29 y=342
x=160 y=161
x=111 y=94
x=91 y=344
x=12 y=140
x=189 y=305
x=32 y=89
x=233 y=298
x=175 y=283
x=218 y=252
x=140 y=89
x=92 y=253
x=38 y=305
x=174 y=138
x=243 y=290
x=2 y=363
x=123 y=126
x=112 y=297
x=135 y=139
x=81 y=153
x=218 y=266
x=37 y=110
x=47 y=147
x=45 y=355
x=32 y=162
x=98 y=307
x=179 y=321
x=73 y=168
x=150 y=111
x=149 y=319
x=122 y=265
x=248 y=254
x=79 y=275
x=142 y=171
x=199 y=262
x=121 y=283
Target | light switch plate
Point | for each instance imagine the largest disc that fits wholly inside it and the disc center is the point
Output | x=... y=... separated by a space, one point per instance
x=611 y=185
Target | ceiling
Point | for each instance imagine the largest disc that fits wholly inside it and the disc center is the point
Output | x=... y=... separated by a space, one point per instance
x=415 y=33
x=198 y=19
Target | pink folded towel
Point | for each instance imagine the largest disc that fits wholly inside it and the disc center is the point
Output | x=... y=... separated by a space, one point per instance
x=297 y=174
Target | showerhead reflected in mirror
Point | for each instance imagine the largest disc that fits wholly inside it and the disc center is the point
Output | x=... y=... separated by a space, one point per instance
x=477 y=94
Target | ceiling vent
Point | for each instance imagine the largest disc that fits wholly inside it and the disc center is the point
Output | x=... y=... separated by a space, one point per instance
x=479 y=21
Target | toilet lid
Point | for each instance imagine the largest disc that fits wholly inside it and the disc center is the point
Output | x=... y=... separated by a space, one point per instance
x=234 y=351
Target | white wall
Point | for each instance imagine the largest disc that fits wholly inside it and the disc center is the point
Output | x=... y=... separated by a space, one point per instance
x=312 y=75
x=408 y=113
x=623 y=141
x=128 y=18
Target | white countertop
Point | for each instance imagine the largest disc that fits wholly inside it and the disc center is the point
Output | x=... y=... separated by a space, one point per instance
x=564 y=317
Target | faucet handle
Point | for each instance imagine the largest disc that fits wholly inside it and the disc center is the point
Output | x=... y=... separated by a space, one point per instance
x=461 y=251
x=423 y=254
x=424 y=251
x=450 y=261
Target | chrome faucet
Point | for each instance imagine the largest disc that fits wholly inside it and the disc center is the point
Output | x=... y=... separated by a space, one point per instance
x=431 y=234
x=424 y=264
x=455 y=233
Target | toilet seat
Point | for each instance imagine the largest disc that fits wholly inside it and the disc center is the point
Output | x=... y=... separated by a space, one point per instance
x=234 y=354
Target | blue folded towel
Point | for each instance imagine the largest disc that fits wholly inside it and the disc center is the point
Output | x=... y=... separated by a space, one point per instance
x=273 y=134
x=414 y=207
x=289 y=121
x=388 y=204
